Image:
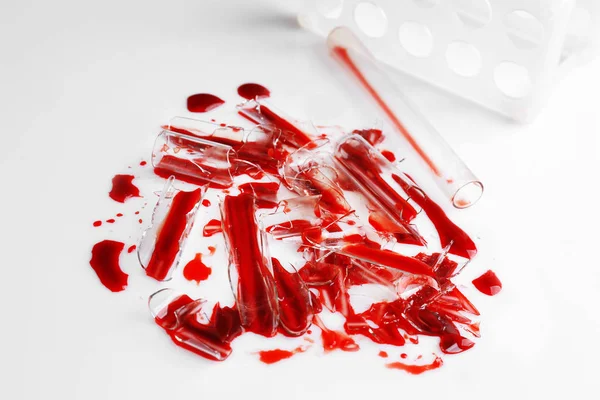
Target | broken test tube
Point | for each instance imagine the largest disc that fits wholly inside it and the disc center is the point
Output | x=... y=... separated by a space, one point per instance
x=250 y=269
x=172 y=219
x=189 y=326
x=192 y=159
x=451 y=174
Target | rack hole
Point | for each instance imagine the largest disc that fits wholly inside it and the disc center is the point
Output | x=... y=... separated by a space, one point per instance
x=416 y=38
x=370 y=19
x=473 y=13
x=463 y=59
x=330 y=9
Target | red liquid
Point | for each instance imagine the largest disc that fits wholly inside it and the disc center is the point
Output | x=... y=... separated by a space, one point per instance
x=196 y=270
x=170 y=234
x=212 y=228
x=373 y=136
x=110 y=221
x=105 y=262
x=97 y=223
x=206 y=203
x=332 y=197
x=488 y=283
x=203 y=102
x=383 y=354
x=388 y=258
x=211 y=340
x=143 y=163
x=462 y=245
x=187 y=171
x=388 y=155
x=119 y=215
x=333 y=340
x=260 y=151
x=265 y=193
x=131 y=248
x=255 y=287
x=290 y=133
x=295 y=310
x=368 y=173
x=211 y=250
x=251 y=91
x=343 y=56
x=416 y=369
x=123 y=188
x=274 y=356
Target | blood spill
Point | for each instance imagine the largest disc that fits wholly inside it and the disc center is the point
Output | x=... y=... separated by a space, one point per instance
x=277 y=355
x=416 y=369
x=105 y=262
x=123 y=188
x=271 y=296
x=195 y=270
x=203 y=102
x=488 y=283
x=212 y=228
x=97 y=223
x=251 y=91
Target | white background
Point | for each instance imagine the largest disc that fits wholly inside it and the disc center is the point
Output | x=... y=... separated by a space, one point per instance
x=84 y=87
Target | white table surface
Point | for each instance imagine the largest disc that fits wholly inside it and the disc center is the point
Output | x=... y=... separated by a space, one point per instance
x=83 y=89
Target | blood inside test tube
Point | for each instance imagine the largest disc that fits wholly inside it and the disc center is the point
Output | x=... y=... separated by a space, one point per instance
x=451 y=174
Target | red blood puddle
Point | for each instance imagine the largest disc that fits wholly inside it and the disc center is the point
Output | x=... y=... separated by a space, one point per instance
x=276 y=355
x=488 y=283
x=389 y=155
x=142 y=163
x=97 y=223
x=123 y=188
x=206 y=203
x=105 y=262
x=212 y=228
x=196 y=270
x=110 y=221
x=203 y=102
x=416 y=369
x=251 y=91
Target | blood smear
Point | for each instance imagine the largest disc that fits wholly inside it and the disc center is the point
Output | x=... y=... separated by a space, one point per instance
x=251 y=91
x=169 y=236
x=196 y=270
x=276 y=355
x=488 y=283
x=105 y=262
x=123 y=188
x=416 y=369
x=203 y=102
